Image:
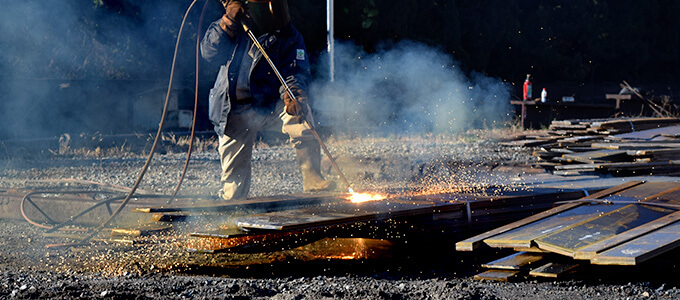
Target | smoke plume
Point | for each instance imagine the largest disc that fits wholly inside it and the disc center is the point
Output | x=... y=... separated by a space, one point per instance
x=409 y=87
x=75 y=66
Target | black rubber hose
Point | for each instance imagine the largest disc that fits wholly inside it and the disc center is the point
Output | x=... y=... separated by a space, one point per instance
x=158 y=133
x=193 y=123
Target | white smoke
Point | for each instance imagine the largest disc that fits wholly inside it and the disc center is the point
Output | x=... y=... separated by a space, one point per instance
x=409 y=87
x=74 y=66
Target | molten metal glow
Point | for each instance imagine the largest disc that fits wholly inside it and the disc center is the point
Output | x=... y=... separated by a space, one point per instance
x=364 y=197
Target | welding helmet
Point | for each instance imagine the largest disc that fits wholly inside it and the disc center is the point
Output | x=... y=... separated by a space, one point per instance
x=268 y=15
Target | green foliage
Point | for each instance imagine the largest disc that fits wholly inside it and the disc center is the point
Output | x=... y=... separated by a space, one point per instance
x=368 y=14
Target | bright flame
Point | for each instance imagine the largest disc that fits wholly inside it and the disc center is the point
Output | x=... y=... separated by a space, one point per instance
x=364 y=197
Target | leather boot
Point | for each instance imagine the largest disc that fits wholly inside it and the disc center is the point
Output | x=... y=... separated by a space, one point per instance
x=309 y=159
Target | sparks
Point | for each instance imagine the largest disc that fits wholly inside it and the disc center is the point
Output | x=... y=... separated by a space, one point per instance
x=364 y=197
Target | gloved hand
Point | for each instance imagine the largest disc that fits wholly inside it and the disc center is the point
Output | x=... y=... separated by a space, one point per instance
x=231 y=20
x=297 y=106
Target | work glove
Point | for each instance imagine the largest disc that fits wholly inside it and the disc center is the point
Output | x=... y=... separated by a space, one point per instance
x=231 y=20
x=297 y=106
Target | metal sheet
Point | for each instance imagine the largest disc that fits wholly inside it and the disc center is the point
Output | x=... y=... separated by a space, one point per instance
x=340 y=214
x=641 y=248
x=598 y=156
x=472 y=243
x=523 y=236
x=553 y=270
x=569 y=240
x=496 y=275
x=515 y=261
x=590 y=251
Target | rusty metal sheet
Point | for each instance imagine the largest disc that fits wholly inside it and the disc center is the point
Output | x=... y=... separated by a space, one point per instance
x=642 y=248
x=444 y=213
x=663 y=133
x=277 y=202
x=530 y=249
x=647 y=189
x=497 y=275
x=235 y=241
x=440 y=213
x=598 y=156
x=141 y=230
x=169 y=218
x=566 y=221
x=516 y=261
x=523 y=236
x=289 y=220
x=656 y=154
x=340 y=214
x=616 y=189
x=668 y=196
x=472 y=243
x=590 y=251
x=571 y=239
x=553 y=270
x=632 y=145
x=635 y=225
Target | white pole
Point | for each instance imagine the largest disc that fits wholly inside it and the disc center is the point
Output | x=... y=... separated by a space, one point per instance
x=331 y=43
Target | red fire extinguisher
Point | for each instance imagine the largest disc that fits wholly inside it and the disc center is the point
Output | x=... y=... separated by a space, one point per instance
x=526 y=91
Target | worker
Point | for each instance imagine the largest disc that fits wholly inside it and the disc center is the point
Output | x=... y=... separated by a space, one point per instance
x=248 y=97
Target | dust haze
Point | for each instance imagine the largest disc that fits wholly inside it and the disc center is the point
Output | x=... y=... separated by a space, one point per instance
x=74 y=66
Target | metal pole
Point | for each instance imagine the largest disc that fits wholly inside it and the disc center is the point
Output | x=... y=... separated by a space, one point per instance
x=330 y=26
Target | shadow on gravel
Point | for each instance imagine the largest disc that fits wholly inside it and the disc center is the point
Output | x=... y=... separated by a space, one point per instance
x=421 y=259
x=428 y=259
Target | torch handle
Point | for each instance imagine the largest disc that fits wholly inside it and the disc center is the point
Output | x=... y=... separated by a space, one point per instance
x=292 y=96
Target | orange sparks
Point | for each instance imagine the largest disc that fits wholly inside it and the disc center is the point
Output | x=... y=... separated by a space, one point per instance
x=364 y=197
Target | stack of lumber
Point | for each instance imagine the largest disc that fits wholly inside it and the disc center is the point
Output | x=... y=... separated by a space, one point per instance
x=646 y=152
x=624 y=225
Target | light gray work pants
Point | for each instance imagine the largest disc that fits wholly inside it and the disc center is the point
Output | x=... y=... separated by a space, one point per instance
x=236 y=144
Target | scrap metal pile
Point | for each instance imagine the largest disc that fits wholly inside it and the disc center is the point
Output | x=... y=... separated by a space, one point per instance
x=290 y=221
x=624 y=225
x=618 y=147
x=264 y=224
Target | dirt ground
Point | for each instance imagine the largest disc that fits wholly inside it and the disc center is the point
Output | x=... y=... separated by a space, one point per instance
x=159 y=266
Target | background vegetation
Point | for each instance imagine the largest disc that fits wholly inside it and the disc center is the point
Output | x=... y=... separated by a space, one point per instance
x=575 y=41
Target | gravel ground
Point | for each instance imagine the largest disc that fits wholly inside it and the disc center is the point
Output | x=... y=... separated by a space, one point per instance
x=159 y=267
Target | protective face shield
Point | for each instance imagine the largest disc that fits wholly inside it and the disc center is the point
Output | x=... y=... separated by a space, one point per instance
x=269 y=15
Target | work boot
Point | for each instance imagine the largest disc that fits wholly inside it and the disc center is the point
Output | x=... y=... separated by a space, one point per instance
x=309 y=159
